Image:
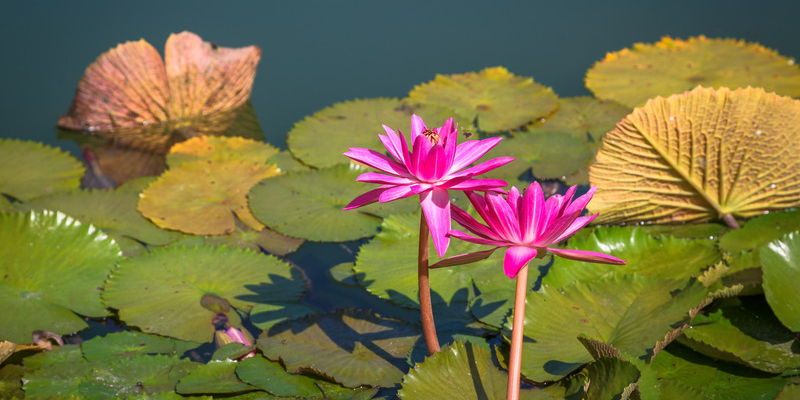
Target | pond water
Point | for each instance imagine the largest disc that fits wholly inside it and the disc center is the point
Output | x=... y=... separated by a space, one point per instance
x=316 y=53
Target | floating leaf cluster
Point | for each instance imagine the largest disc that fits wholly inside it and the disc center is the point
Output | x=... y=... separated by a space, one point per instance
x=702 y=310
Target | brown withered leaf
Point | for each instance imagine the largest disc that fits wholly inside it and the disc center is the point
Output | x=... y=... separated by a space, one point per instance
x=130 y=86
x=700 y=155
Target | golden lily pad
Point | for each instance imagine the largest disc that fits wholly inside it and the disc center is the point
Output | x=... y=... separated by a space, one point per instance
x=701 y=155
x=29 y=170
x=204 y=197
x=631 y=76
x=320 y=139
x=498 y=99
x=211 y=148
x=130 y=86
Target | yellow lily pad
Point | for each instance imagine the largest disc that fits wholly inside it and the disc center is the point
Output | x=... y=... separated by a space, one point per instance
x=204 y=197
x=498 y=99
x=701 y=155
x=670 y=66
x=212 y=148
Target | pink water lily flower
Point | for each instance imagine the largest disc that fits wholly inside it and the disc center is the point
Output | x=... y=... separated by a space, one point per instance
x=436 y=164
x=527 y=225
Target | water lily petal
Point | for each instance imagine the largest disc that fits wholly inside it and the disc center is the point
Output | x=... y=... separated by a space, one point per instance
x=378 y=161
x=578 y=224
x=587 y=256
x=505 y=219
x=484 y=166
x=516 y=258
x=472 y=150
x=462 y=259
x=417 y=127
x=396 y=192
x=530 y=212
x=566 y=200
x=580 y=203
x=512 y=198
x=474 y=184
x=374 y=177
x=477 y=240
x=420 y=155
x=436 y=206
x=471 y=224
x=366 y=198
x=393 y=145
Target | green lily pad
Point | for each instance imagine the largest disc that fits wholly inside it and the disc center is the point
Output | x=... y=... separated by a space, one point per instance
x=709 y=230
x=231 y=351
x=113 y=211
x=265 y=316
x=270 y=376
x=352 y=347
x=204 y=197
x=212 y=148
x=320 y=140
x=287 y=163
x=493 y=306
x=550 y=155
x=218 y=376
x=309 y=205
x=780 y=262
x=583 y=117
x=160 y=291
x=663 y=258
x=461 y=371
x=629 y=312
x=5 y=204
x=56 y=373
x=246 y=238
x=387 y=265
x=29 y=170
x=53 y=267
x=498 y=99
x=131 y=376
x=131 y=343
x=760 y=231
x=609 y=377
x=11 y=381
x=684 y=374
x=746 y=334
x=631 y=76
x=789 y=392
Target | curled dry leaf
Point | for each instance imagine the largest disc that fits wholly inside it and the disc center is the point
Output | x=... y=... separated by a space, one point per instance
x=130 y=86
x=700 y=155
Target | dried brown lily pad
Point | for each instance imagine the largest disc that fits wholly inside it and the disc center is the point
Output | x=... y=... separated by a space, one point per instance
x=670 y=66
x=700 y=155
x=130 y=86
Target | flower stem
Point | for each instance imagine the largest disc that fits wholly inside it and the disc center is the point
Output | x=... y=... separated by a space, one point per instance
x=425 y=307
x=515 y=361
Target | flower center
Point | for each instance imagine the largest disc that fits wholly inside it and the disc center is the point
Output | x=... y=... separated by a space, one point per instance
x=432 y=136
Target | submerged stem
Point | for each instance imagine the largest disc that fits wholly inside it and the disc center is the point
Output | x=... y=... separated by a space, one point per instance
x=425 y=307
x=515 y=361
